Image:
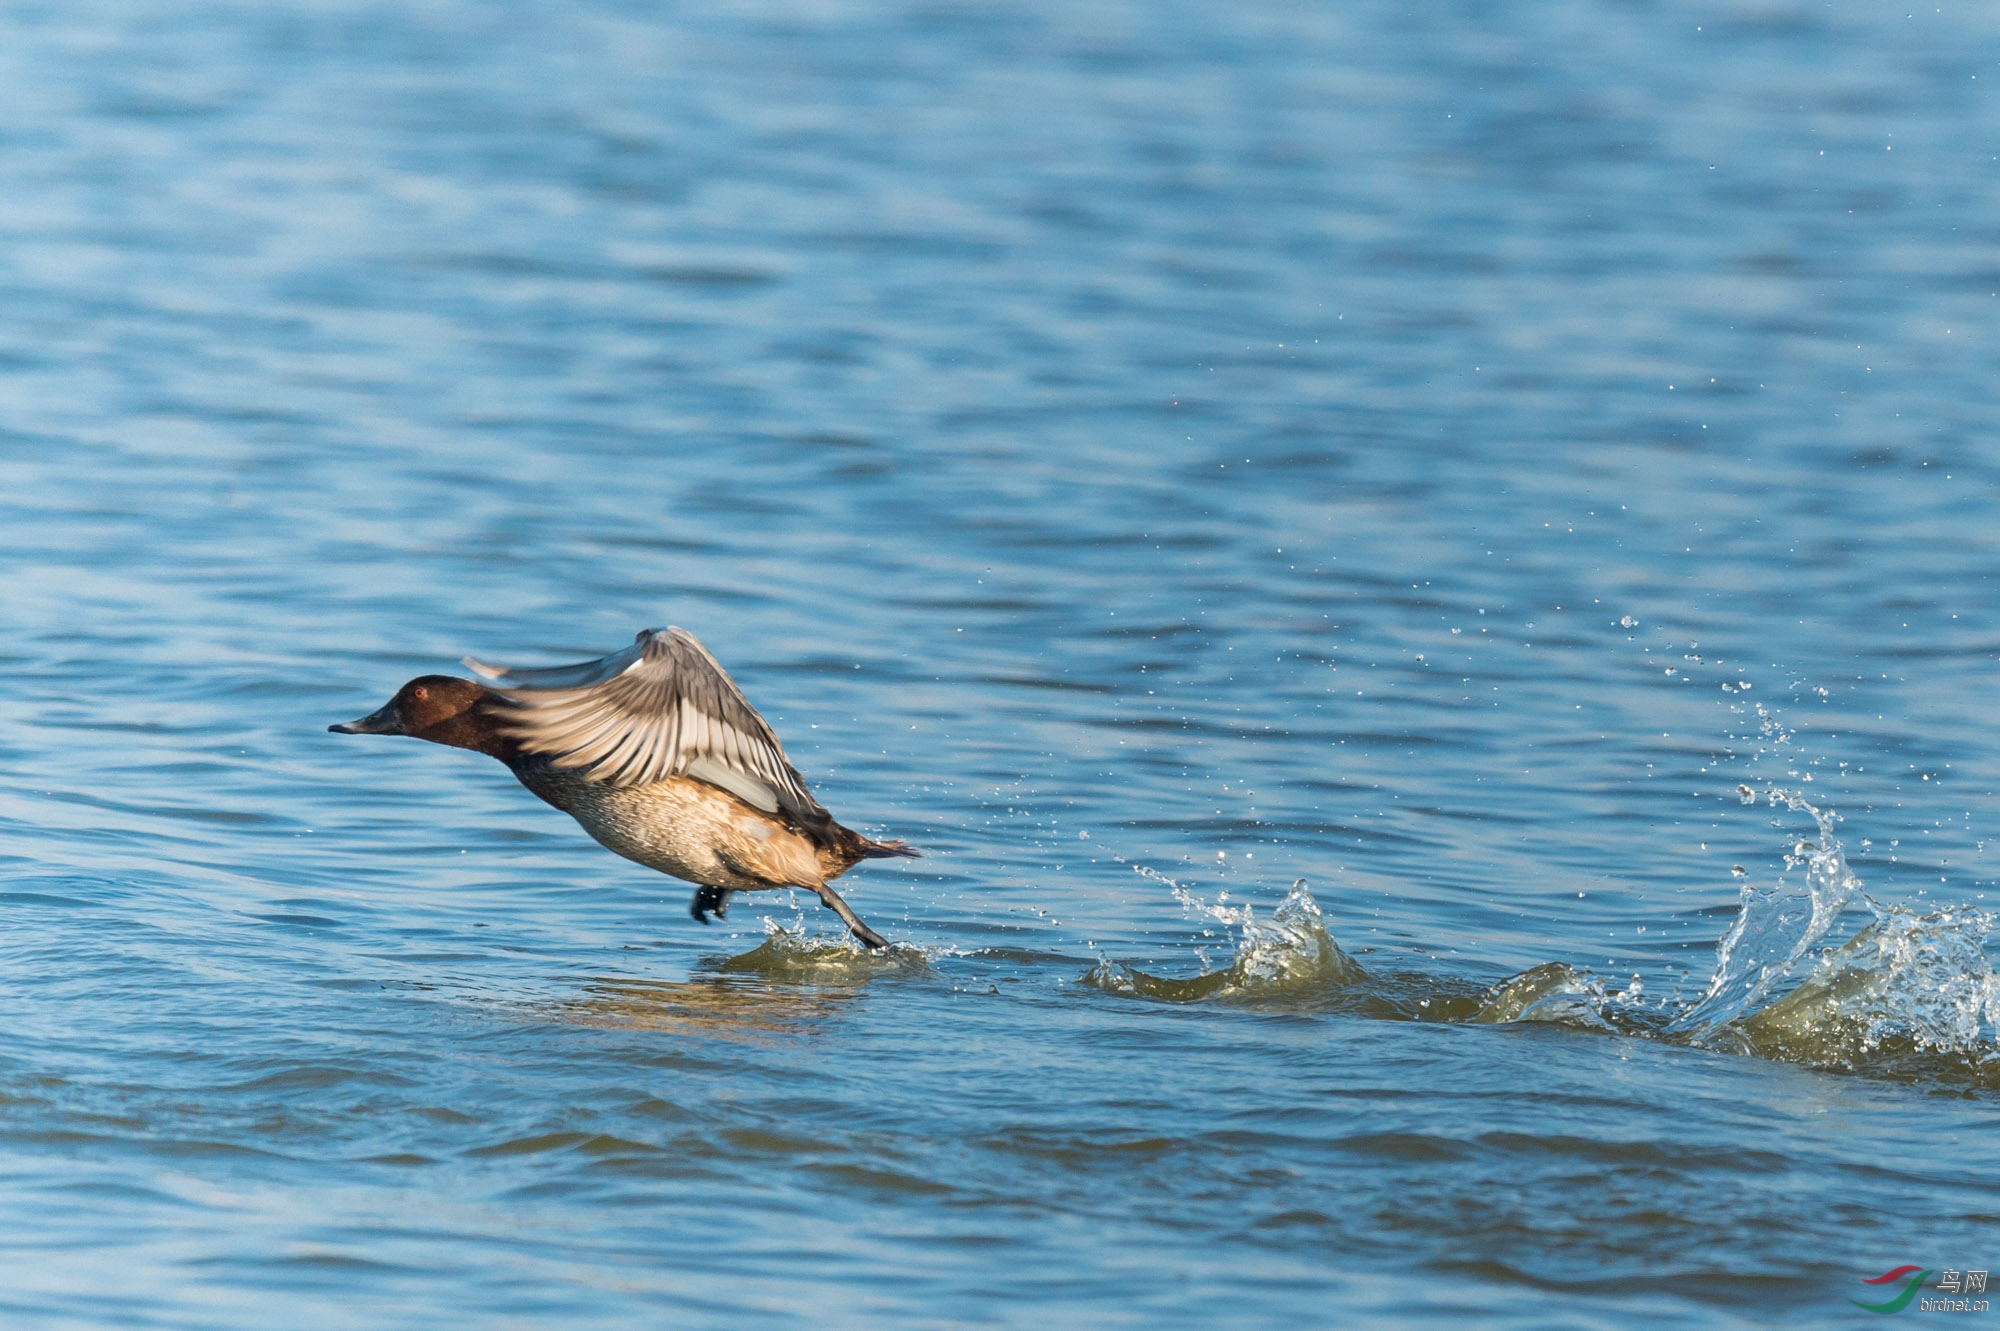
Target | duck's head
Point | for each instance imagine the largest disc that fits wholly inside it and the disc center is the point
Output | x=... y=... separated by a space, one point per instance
x=440 y=708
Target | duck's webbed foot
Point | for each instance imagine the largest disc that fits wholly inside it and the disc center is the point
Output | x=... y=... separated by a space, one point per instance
x=708 y=899
x=831 y=900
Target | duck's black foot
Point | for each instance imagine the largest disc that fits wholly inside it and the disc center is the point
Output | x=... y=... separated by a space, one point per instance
x=831 y=900
x=708 y=899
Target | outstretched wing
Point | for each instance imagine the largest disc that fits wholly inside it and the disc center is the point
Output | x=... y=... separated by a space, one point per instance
x=662 y=707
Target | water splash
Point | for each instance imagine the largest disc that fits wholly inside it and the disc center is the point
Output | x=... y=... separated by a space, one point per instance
x=1906 y=983
x=1776 y=923
x=790 y=952
x=1552 y=992
x=1908 y=996
x=1290 y=952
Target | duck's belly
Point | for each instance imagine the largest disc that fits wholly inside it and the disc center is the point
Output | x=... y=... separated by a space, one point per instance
x=686 y=828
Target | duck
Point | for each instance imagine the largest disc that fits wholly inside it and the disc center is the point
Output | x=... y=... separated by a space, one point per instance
x=657 y=754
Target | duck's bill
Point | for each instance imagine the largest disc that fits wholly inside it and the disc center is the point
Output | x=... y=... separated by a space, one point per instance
x=380 y=722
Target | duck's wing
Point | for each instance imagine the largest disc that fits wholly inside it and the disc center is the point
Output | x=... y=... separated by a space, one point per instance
x=662 y=707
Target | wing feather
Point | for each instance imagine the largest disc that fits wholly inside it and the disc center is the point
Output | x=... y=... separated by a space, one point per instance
x=661 y=707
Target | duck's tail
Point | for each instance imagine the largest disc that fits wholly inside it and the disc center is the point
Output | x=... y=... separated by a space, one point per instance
x=849 y=848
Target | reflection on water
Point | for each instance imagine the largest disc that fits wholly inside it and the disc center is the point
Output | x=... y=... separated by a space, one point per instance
x=785 y=986
x=708 y=1008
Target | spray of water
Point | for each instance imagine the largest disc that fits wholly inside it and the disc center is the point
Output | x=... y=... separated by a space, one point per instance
x=1776 y=923
x=1905 y=984
x=1290 y=951
x=1907 y=994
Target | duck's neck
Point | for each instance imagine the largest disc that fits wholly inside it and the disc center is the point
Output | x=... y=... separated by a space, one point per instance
x=476 y=728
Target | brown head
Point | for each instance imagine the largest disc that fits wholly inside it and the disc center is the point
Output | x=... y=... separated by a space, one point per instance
x=442 y=709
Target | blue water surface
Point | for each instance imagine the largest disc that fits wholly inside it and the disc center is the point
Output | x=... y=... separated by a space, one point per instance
x=1438 y=453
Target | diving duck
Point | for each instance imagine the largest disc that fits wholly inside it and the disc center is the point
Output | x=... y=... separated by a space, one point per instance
x=660 y=757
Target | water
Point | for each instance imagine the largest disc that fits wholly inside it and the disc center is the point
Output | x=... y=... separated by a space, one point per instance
x=1437 y=455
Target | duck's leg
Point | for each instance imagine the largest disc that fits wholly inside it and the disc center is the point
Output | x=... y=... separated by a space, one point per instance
x=831 y=900
x=708 y=899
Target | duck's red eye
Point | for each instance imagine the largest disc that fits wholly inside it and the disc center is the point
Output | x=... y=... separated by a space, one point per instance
x=420 y=692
